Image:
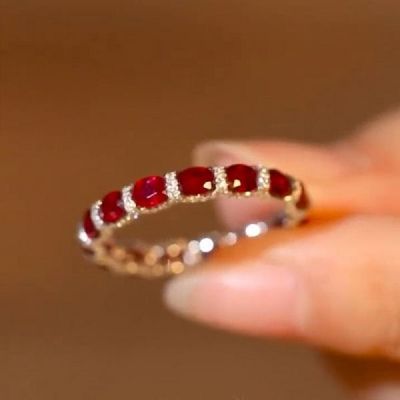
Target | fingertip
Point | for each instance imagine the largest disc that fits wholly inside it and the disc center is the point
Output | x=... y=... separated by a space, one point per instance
x=178 y=293
x=250 y=299
x=298 y=160
x=292 y=157
x=335 y=287
x=224 y=153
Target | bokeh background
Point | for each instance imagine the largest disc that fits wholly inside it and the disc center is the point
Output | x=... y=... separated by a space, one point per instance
x=96 y=93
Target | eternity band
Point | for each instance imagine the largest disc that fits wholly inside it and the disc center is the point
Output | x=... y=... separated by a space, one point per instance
x=191 y=185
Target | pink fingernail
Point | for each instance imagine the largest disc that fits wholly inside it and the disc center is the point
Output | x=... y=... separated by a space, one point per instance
x=254 y=299
x=224 y=153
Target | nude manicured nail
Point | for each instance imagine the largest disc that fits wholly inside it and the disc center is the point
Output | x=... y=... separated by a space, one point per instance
x=290 y=156
x=224 y=153
x=256 y=298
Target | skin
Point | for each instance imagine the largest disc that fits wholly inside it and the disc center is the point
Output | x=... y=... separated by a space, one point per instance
x=333 y=284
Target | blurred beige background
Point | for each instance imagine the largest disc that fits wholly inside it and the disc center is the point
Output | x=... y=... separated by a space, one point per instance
x=96 y=93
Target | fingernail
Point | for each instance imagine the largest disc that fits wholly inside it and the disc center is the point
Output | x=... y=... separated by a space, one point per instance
x=179 y=292
x=254 y=299
x=303 y=158
x=224 y=153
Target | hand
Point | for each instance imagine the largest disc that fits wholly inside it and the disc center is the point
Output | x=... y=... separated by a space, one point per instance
x=335 y=283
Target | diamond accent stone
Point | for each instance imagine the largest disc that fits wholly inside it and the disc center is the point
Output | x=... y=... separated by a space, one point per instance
x=96 y=216
x=255 y=229
x=263 y=179
x=172 y=186
x=221 y=184
x=127 y=201
x=83 y=236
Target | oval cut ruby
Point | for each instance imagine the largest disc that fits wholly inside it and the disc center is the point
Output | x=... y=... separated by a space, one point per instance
x=196 y=181
x=88 y=226
x=280 y=184
x=304 y=201
x=241 y=178
x=149 y=192
x=111 y=208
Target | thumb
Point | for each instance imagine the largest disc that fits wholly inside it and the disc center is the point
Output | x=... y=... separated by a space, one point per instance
x=337 y=287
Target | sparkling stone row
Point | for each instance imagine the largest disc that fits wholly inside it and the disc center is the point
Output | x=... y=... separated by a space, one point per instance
x=191 y=184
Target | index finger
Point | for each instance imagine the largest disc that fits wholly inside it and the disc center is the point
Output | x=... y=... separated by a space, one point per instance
x=358 y=174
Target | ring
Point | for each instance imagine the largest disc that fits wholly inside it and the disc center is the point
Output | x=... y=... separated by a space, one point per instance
x=191 y=185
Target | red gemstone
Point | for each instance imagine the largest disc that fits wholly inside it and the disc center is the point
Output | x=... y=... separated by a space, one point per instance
x=241 y=178
x=89 y=227
x=149 y=192
x=111 y=208
x=196 y=180
x=280 y=184
x=304 y=201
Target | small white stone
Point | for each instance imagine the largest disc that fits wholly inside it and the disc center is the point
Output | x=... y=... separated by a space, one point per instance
x=263 y=179
x=83 y=237
x=128 y=202
x=256 y=229
x=95 y=215
x=206 y=245
x=172 y=186
x=220 y=179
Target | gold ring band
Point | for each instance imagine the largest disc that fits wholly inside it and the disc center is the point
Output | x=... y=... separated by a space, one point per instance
x=195 y=184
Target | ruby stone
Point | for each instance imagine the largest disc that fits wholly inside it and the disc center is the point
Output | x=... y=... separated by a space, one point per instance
x=241 y=178
x=303 y=202
x=89 y=227
x=149 y=192
x=280 y=184
x=196 y=181
x=111 y=208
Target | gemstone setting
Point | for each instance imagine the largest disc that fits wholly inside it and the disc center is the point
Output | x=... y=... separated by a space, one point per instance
x=88 y=226
x=280 y=184
x=191 y=185
x=150 y=192
x=241 y=178
x=112 y=209
x=195 y=181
